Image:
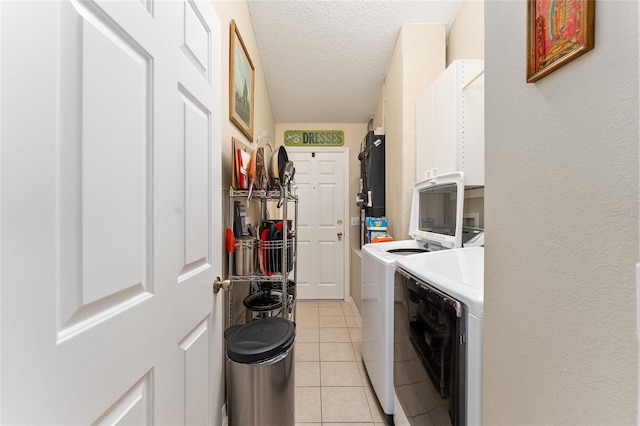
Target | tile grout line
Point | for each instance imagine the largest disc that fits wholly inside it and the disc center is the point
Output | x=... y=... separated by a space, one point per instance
x=320 y=370
x=364 y=380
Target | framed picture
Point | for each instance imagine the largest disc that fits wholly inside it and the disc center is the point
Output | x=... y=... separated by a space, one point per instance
x=558 y=31
x=241 y=84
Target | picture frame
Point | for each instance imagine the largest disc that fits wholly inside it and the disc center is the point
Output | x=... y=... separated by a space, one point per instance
x=241 y=83
x=558 y=31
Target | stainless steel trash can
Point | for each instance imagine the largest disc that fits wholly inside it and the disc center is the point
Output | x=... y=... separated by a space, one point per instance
x=260 y=373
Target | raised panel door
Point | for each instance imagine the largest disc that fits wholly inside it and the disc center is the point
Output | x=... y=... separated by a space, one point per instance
x=110 y=198
x=322 y=239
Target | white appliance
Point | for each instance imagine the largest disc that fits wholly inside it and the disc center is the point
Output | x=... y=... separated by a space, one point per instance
x=435 y=223
x=439 y=322
x=378 y=271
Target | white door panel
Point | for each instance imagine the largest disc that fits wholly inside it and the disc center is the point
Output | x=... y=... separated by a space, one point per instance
x=107 y=211
x=94 y=230
x=320 y=177
x=195 y=347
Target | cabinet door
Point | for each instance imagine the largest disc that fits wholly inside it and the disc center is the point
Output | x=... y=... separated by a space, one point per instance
x=450 y=124
x=436 y=130
x=445 y=122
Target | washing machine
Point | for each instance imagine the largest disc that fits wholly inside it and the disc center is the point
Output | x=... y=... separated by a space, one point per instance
x=378 y=294
x=435 y=224
x=438 y=338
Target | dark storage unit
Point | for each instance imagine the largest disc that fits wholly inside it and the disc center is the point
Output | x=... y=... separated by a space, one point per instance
x=371 y=198
x=372 y=175
x=375 y=173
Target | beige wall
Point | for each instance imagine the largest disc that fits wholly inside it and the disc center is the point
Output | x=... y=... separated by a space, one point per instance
x=418 y=58
x=561 y=202
x=263 y=114
x=263 y=120
x=466 y=37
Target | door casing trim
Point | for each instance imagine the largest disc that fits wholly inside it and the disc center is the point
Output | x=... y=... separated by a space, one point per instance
x=346 y=223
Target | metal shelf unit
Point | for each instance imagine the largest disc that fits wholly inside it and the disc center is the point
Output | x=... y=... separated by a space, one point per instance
x=291 y=244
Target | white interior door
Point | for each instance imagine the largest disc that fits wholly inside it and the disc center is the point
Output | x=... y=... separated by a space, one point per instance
x=110 y=225
x=322 y=215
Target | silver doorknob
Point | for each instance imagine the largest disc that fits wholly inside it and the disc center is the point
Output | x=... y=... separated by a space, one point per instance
x=217 y=285
x=339 y=235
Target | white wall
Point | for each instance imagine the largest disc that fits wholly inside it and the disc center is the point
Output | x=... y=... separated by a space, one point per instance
x=561 y=204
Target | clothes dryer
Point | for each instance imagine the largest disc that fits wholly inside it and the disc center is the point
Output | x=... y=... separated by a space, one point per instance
x=435 y=224
x=438 y=338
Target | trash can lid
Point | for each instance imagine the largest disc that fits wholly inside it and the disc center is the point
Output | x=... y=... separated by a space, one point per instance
x=260 y=340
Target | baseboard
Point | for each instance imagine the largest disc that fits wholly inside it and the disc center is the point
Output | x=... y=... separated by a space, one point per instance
x=351 y=303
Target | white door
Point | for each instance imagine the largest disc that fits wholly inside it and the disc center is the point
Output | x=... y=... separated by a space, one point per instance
x=321 y=176
x=110 y=217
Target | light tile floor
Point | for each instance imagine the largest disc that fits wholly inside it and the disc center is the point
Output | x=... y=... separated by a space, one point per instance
x=332 y=387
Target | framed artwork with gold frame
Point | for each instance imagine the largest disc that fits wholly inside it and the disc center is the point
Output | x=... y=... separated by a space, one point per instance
x=241 y=84
x=558 y=31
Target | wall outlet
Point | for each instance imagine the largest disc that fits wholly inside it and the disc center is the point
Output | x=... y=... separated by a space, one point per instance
x=355 y=221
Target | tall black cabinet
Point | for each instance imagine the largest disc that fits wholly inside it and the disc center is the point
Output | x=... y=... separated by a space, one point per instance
x=371 y=198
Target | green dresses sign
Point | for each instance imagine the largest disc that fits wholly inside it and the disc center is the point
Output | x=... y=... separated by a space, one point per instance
x=314 y=137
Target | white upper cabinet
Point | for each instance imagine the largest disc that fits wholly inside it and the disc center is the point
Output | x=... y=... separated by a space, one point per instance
x=450 y=124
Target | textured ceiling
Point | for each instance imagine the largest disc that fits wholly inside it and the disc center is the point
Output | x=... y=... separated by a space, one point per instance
x=325 y=60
